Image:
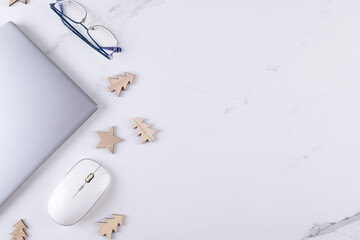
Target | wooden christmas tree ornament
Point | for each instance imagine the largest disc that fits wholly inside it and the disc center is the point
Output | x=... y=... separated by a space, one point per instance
x=108 y=140
x=19 y=233
x=11 y=2
x=111 y=225
x=143 y=129
x=121 y=82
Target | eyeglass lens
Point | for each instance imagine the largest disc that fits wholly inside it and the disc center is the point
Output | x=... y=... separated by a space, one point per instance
x=101 y=35
x=72 y=10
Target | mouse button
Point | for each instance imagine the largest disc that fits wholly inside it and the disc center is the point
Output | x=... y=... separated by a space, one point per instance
x=81 y=170
x=89 y=164
x=58 y=197
x=62 y=196
x=75 y=177
x=103 y=173
x=102 y=178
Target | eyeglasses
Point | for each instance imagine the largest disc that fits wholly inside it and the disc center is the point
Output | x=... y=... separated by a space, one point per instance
x=101 y=38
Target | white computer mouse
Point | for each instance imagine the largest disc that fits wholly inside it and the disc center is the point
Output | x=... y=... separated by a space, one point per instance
x=78 y=192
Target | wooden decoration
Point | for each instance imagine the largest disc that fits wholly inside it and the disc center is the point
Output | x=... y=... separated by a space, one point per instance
x=143 y=129
x=11 y=2
x=108 y=140
x=19 y=233
x=121 y=82
x=111 y=225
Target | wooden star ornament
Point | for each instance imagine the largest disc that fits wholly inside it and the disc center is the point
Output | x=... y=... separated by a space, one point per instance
x=108 y=140
x=11 y=2
x=120 y=82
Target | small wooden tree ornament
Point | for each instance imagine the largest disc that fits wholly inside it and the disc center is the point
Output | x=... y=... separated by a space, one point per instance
x=143 y=129
x=11 y=2
x=19 y=233
x=108 y=140
x=121 y=82
x=111 y=225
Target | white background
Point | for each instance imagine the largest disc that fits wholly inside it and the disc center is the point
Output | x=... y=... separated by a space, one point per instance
x=258 y=107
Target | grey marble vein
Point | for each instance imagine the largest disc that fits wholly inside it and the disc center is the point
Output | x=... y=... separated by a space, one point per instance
x=326 y=228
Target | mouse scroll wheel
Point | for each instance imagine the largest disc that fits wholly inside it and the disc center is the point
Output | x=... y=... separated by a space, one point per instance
x=89 y=178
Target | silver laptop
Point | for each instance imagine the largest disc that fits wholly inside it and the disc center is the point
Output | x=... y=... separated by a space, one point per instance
x=40 y=108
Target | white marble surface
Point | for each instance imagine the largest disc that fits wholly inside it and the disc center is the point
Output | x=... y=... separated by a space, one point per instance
x=259 y=110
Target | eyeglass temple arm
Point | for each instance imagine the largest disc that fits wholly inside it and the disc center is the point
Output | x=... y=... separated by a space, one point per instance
x=115 y=49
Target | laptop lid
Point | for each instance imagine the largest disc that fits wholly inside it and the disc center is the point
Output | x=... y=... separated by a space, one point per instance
x=40 y=106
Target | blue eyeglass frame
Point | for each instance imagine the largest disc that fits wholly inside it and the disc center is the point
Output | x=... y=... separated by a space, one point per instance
x=98 y=48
